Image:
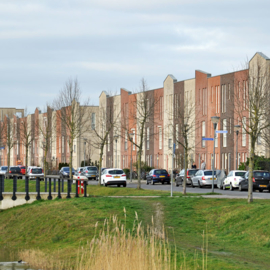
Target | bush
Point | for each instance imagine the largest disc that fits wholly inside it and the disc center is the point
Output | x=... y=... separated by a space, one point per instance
x=126 y=170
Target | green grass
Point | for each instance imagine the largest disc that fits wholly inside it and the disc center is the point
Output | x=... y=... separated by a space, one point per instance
x=238 y=233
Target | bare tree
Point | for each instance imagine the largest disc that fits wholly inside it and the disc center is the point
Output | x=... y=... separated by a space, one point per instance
x=26 y=135
x=184 y=132
x=251 y=97
x=2 y=137
x=102 y=132
x=73 y=119
x=46 y=129
x=140 y=117
x=10 y=136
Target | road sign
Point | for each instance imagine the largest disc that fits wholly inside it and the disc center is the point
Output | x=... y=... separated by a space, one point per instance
x=2 y=147
x=221 y=131
x=207 y=139
x=174 y=148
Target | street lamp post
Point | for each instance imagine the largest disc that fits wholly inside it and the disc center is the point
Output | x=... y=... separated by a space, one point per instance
x=116 y=138
x=237 y=128
x=171 y=147
x=215 y=120
x=131 y=140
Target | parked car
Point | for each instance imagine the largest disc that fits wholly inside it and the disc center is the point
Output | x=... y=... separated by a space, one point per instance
x=113 y=176
x=36 y=172
x=158 y=176
x=180 y=177
x=203 y=178
x=64 y=172
x=22 y=167
x=261 y=181
x=91 y=172
x=80 y=170
x=3 y=169
x=29 y=168
x=233 y=178
x=79 y=175
x=14 y=170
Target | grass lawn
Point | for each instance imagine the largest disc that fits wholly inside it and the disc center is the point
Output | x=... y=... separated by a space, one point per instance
x=238 y=234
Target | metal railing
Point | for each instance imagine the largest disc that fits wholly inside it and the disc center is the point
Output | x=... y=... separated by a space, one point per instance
x=57 y=181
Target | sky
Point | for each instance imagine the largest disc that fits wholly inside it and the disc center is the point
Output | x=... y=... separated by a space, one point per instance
x=113 y=44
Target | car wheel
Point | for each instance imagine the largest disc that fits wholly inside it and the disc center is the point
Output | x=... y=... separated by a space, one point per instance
x=162 y=183
x=118 y=185
x=191 y=184
x=240 y=188
x=231 y=187
x=176 y=184
x=124 y=185
x=152 y=182
x=260 y=190
x=224 y=187
x=147 y=183
x=199 y=184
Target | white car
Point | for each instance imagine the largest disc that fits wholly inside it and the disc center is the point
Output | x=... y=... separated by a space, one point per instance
x=233 y=178
x=113 y=176
x=35 y=172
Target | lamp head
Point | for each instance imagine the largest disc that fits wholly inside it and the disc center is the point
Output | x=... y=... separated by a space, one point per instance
x=237 y=128
x=215 y=119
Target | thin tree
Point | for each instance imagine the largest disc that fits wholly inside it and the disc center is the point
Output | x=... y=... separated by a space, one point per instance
x=141 y=113
x=107 y=123
x=2 y=137
x=72 y=118
x=10 y=136
x=46 y=128
x=26 y=135
x=184 y=132
x=251 y=97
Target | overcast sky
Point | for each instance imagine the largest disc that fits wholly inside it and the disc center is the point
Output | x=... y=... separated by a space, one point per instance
x=109 y=44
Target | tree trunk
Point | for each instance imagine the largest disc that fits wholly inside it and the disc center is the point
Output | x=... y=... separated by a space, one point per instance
x=70 y=162
x=139 y=169
x=185 y=176
x=8 y=159
x=251 y=166
x=100 y=164
x=26 y=160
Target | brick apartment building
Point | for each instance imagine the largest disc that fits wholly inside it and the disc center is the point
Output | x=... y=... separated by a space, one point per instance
x=209 y=96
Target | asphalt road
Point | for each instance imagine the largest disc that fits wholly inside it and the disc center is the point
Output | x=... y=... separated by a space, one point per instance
x=235 y=193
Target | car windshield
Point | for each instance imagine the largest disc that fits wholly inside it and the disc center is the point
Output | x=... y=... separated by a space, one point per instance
x=36 y=170
x=160 y=172
x=4 y=168
x=209 y=172
x=67 y=169
x=23 y=168
x=261 y=174
x=240 y=173
x=116 y=172
x=192 y=172
x=92 y=168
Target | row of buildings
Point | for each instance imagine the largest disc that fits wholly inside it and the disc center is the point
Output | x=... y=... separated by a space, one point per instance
x=190 y=103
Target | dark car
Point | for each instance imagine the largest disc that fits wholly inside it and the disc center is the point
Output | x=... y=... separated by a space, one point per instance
x=261 y=181
x=64 y=172
x=158 y=176
x=180 y=177
x=15 y=171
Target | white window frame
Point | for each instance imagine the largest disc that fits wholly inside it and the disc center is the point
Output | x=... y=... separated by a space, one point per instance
x=160 y=137
x=244 y=137
x=203 y=133
x=224 y=134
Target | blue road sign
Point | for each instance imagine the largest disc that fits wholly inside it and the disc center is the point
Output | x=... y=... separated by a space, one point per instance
x=174 y=148
x=2 y=147
x=221 y=131
x=207 y=139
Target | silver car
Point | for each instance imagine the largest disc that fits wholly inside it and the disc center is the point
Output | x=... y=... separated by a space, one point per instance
x=91 y=172
x=36 y=172
x=204 y=178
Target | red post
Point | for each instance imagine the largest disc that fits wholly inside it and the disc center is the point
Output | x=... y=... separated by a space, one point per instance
x=82 y=187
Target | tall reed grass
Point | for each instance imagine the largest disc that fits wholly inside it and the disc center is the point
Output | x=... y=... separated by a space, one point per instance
x=115 y=247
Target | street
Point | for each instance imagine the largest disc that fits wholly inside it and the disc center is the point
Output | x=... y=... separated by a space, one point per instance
x=235 y=193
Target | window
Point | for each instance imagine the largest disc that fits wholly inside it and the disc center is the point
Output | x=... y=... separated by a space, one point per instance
x=93 y=121
x=59 y=145
x=134 y=138
x=222 y=161
x=176 y=135
x=212 y=94
x=126 y=140
x=230 y=125
x=160 y=137
x=74 y=148
x=259 y=140
x=229 y=91
x=224 y=134
x=63 y=144
x=229 y=161
x=244 y=132
x=203 y=133
x=147 y=138
x=225 y=165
